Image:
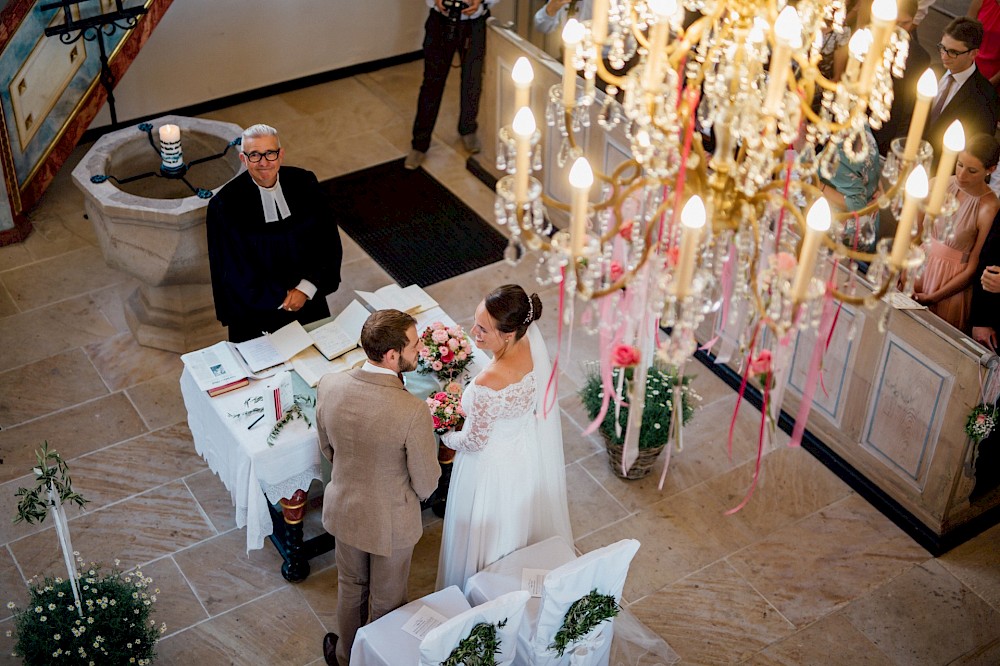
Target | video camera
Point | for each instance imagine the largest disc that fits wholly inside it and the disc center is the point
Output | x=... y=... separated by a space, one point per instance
x=453 y=12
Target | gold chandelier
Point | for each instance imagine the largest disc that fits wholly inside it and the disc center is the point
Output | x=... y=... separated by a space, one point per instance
x=746 y=224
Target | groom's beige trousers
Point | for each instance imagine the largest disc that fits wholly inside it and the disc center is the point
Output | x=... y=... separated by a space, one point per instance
x=363 y=577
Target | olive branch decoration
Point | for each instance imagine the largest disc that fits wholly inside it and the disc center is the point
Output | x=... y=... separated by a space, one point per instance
x=479 y=648
x=586 y=613
x=51 y=472
x=294 y=412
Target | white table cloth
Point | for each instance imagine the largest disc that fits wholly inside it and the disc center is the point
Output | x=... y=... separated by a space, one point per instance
x=247 y=464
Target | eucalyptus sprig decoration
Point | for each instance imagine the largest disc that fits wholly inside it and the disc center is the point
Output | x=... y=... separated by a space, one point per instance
x=294 y=412
x=479 y=648
x=583 y=615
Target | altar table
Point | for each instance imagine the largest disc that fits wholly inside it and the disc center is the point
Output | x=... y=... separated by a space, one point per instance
x=247 y=464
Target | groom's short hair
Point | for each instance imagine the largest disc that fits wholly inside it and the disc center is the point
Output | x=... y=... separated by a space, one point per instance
x=385 y=330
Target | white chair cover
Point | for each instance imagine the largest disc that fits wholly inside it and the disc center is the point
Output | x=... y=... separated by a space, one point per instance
x=603 y=569
x=384 y=643
x=440 y=641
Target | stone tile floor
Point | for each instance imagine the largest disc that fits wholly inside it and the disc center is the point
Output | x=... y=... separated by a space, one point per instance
x=808 y=573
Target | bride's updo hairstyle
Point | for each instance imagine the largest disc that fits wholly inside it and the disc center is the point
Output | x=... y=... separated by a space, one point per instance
x=512 y=309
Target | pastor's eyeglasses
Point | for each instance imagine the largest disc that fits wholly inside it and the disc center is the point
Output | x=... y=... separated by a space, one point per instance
x=255 y=157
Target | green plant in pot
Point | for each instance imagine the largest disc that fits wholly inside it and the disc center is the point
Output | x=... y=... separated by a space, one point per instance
x=656 y=416
x=90 y=617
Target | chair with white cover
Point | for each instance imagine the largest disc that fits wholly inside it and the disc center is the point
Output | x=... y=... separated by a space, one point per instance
x=384 y=642
x=568 y=579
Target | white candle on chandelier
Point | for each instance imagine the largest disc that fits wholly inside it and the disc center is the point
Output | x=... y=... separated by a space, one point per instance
x=692 y=221
x=524 y=127
x=658 y=35
x=953 y=144
x=916 y=191
x=817 y=224
x=858 y=47
x=581 y=177
x=787 y=36
x=572 y=35
x=522 y=75
x=599 y=22
x=883 y=22
x=926 y=91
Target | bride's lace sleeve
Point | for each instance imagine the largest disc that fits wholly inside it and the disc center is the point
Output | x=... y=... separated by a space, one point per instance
x=487 y=407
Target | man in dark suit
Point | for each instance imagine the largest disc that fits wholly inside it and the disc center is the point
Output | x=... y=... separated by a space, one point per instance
x=273 y=245
x=904 y=90
x=963 y=92
x=379 y=439
x=985 y=314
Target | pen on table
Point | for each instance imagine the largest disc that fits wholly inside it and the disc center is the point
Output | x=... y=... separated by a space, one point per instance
x=255 y=422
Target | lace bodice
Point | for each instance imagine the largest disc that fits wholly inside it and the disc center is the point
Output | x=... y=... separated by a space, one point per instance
x=484 y=407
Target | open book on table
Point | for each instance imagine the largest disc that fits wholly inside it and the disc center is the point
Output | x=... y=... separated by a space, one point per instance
x=411 y=300
x=273 y=349
x=311 y=365
x=343 y=333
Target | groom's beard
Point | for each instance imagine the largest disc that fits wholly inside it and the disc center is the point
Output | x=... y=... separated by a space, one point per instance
x=407 y=366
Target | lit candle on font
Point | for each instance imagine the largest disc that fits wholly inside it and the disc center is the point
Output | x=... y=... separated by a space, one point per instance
x=858 y=47
x=522 y=75
x=170 y=147
x=599 y=22
x=883 y=21
x=572 y=35
x=524 y=127
x=926 y=91
x=581 y=177
x=788 y=36
x=658 y=34
x=953 y=144
x=817 y=224
x=692 y=221
x=916 y=191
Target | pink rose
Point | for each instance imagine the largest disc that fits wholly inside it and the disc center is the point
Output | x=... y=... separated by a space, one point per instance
x=616 y=271
x=762 y=364
x=424 y=352
x=440 y=336
x=441 y=395
x=453 y=344
x=625 y=356
x=436 y=365
x=447 y=355
x=466 y=345
x=461 y=356
x=455 y=332
x=454 y=388
x=437 y=422
x=437 y=326
x=626 y=230
x=981 y=418
x=785 y=262
x=448 y=410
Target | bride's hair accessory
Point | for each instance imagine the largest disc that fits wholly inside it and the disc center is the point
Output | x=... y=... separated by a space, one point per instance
x=531 y=312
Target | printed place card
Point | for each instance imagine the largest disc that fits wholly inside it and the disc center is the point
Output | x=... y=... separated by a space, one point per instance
x=532 y=580
x=423 y=621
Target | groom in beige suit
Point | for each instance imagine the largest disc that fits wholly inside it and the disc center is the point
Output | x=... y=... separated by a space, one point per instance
x=380 y=441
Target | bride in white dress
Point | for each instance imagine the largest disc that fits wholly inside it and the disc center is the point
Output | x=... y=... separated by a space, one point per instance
x=508 y=486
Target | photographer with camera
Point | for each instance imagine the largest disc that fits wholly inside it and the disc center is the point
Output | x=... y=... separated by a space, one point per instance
x=452 y=26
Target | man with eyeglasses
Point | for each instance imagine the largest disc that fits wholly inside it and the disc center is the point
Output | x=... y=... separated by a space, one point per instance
x=273 y=244
x=963 y=92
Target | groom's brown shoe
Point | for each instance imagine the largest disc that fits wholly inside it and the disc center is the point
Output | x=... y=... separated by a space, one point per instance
x=330 y=649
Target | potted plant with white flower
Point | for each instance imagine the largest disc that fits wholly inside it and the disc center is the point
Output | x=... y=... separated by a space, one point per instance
x=90 y=617
x=656 y=416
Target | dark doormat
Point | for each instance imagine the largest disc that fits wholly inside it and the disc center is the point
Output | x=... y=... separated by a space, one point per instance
x=417 y=230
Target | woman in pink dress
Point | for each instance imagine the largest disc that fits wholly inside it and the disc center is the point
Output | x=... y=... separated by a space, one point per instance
x=945 y=287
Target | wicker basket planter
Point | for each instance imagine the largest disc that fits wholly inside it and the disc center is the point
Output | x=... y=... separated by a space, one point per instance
x=642 y=466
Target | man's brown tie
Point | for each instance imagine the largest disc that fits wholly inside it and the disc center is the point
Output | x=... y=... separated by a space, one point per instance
x=939 y=105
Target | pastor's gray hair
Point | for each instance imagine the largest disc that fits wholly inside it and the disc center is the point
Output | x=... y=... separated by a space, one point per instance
x=259 y=130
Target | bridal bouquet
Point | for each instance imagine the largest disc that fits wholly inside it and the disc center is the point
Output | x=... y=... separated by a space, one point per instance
x=446 y=408
x=447 y=351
